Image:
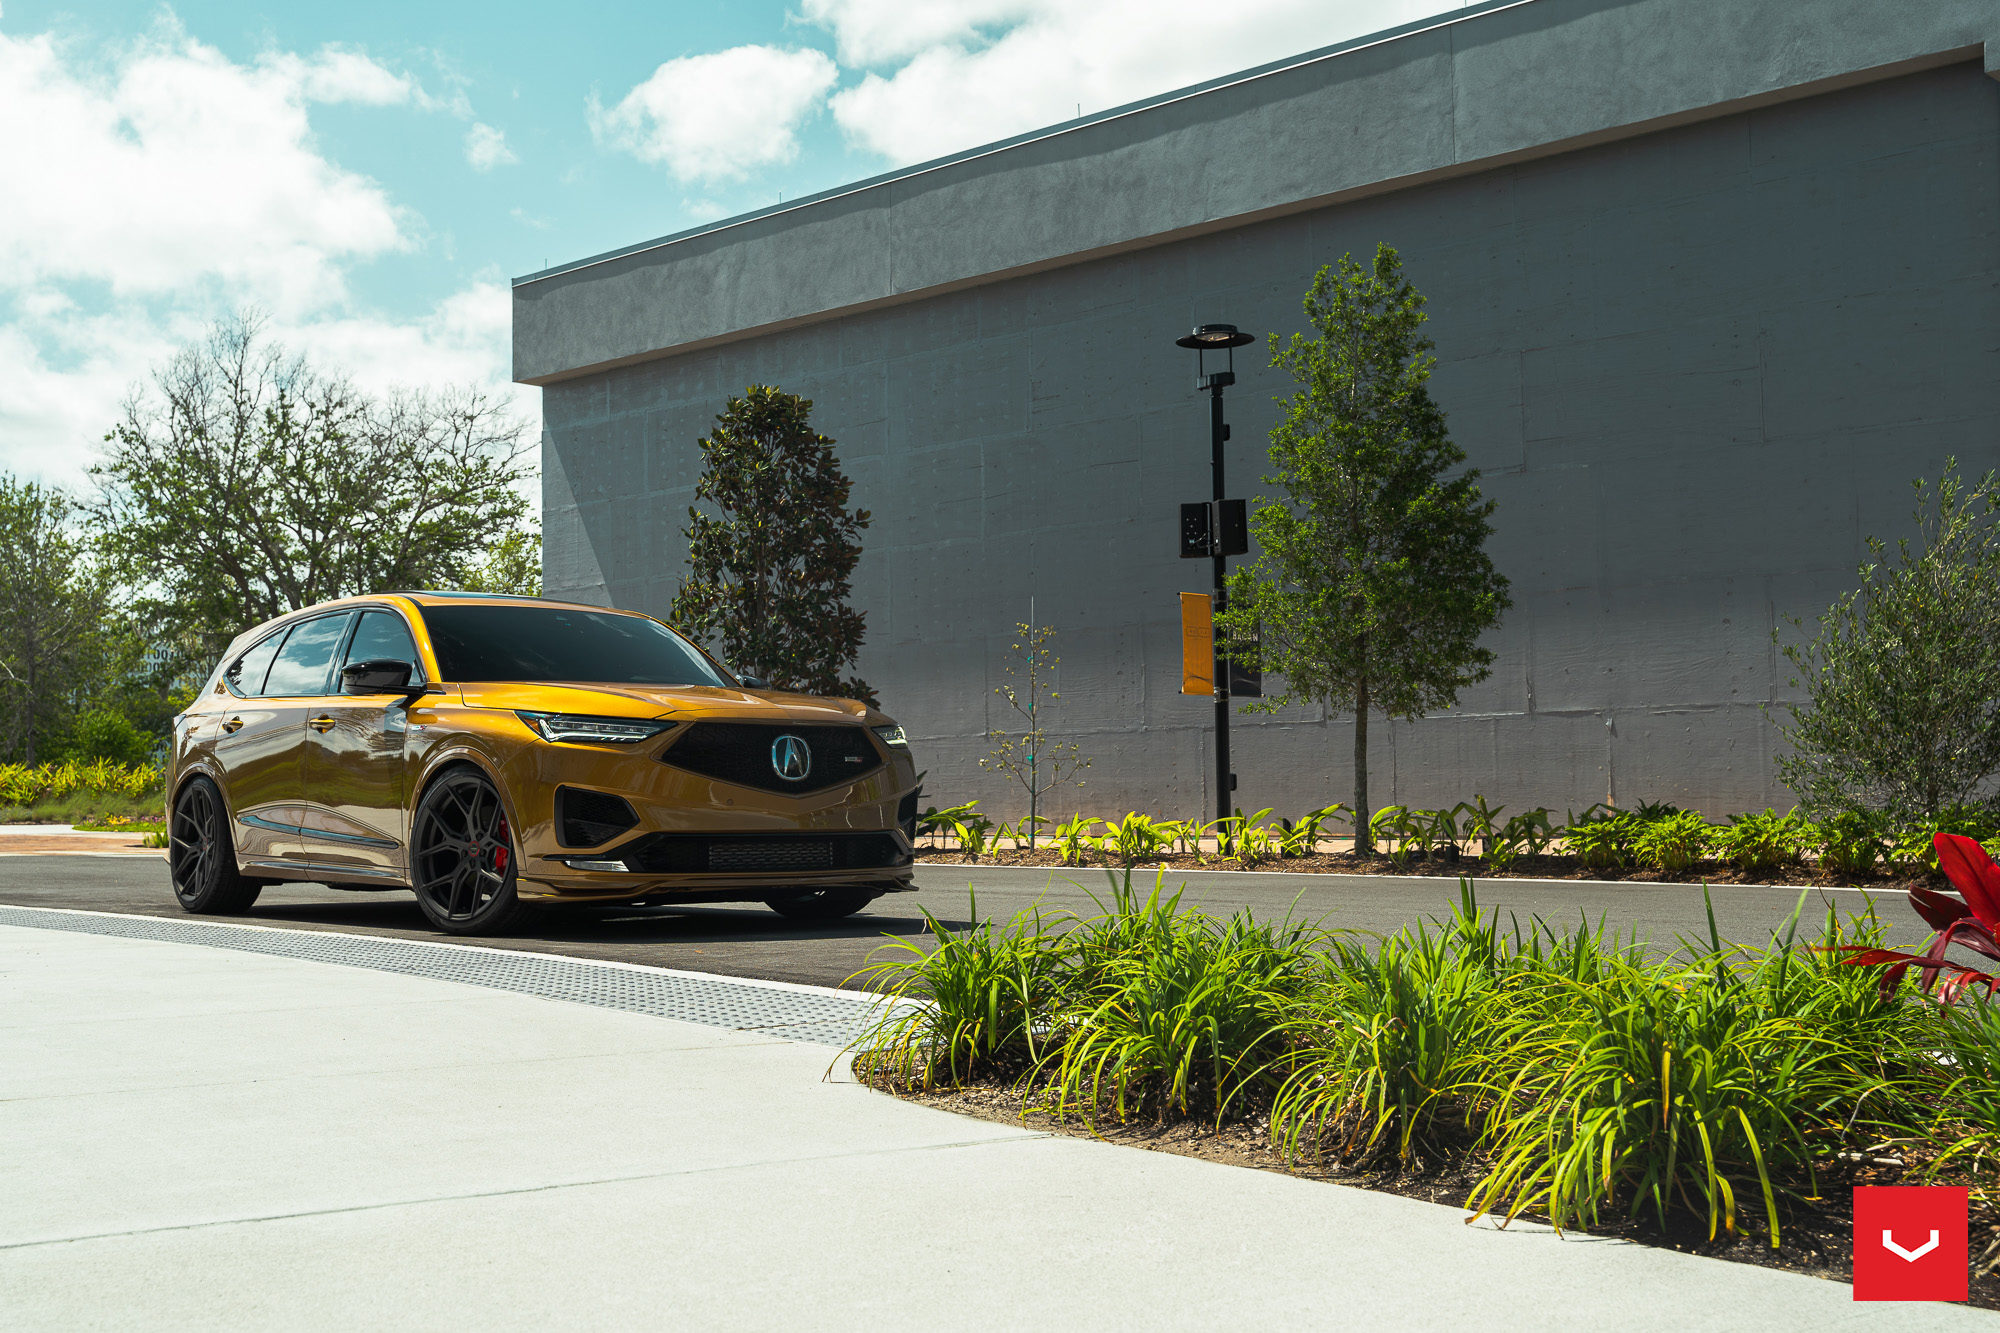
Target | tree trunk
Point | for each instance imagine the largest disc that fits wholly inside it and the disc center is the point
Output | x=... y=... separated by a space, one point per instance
x=1364 y=840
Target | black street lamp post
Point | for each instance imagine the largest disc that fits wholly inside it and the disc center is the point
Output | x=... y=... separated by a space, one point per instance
x=1226 y=536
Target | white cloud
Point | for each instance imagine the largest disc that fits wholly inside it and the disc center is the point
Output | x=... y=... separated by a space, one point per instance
x=340 y=75
x=151 y=188
x=988 y=69
x=717 y=116
x=870 y=32
x=179 y=166
x=486 y=148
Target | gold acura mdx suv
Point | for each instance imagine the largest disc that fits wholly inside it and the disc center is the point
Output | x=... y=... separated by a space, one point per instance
x=493 y=752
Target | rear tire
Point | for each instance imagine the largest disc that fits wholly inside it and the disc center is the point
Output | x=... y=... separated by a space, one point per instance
x=823 y=905
x=201 y=854
x=462 y=859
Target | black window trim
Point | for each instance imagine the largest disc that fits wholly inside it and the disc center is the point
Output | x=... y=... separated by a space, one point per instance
x=354 y=627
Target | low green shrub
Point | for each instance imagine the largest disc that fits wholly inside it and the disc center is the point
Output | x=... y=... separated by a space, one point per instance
x=1848 y=844
x=1671 y=842
x=1758 y=844
x=1601 y=838
x=26 y=786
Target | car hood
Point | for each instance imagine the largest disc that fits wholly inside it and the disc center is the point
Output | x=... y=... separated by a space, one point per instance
x=682 y=702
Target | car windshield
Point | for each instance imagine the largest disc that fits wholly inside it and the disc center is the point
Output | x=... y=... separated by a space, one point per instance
x=536 y=643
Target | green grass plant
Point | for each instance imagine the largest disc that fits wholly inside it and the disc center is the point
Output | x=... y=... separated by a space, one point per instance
x=1586 y=1076
x=1172 y=1011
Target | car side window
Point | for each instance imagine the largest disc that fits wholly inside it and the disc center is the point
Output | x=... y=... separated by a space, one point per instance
x=246 y=673
x=383 y=635
x=305 y=664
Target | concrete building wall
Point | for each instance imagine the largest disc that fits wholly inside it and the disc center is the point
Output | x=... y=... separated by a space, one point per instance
x=1695 y=366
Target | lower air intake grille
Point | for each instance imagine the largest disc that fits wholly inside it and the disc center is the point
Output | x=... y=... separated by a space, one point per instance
x=804 y=854
x=760 y=853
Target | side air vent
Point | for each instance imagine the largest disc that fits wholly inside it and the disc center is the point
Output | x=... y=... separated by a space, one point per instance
x=591 y=818
x=906 y=815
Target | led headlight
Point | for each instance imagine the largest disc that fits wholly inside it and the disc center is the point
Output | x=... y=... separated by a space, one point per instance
x=576 y=728
x=891 y=735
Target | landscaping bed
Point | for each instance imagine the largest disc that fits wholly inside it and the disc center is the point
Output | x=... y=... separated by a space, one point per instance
x=1797 y=874
x=1723 y=1100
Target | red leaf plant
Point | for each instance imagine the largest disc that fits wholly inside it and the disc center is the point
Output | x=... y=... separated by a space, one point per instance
x=1973 y=924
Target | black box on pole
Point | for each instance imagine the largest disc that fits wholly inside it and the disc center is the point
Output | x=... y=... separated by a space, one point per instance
x=1195 y=531
x=1230 y=528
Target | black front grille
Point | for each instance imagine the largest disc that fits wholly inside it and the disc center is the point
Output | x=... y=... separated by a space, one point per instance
x=753 y=853
x=591 y=818
x=906 y=815
x=743 y=753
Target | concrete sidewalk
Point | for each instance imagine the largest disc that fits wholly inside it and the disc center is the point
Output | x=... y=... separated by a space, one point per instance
x=202 y=1137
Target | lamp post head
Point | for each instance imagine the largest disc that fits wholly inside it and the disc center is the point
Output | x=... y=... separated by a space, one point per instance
x=1214 y=336
x=1224 y=338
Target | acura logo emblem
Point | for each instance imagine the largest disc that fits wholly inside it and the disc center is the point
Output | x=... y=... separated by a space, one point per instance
x=790 y=758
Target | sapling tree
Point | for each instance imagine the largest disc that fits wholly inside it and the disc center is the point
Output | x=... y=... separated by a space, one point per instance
x=771 y=568
x=1902 y=674
x=1023 y=750
x=1372 y=585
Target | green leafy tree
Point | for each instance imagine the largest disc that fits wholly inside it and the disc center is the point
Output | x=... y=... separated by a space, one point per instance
x=1372 y=586
x=512 y=565
x=771 y=569
x=57 y=631
x=1024 y=751
x=243 y=483
x=1902 y=675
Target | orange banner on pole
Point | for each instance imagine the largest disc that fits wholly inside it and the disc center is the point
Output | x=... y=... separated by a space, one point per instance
x=1197 y=644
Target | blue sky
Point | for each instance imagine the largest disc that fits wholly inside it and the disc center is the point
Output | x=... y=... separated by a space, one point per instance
x=371 y=175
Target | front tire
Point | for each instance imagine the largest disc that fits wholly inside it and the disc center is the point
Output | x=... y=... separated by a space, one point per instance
x=462 y=860
x=201 y=855
x=823 y=905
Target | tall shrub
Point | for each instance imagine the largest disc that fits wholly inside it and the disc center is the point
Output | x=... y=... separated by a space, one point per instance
x=1373 y=584
x=1902 y=674
x=771 y=567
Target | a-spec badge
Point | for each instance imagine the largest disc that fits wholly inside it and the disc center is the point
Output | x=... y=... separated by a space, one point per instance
x=790 y=758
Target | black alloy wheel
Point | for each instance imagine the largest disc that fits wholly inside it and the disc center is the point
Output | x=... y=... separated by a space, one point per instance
x=201 y=856
x=462 y=860
x=822 y=904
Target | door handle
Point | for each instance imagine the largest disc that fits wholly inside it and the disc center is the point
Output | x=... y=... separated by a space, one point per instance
x=233 y=724
x=322 y=724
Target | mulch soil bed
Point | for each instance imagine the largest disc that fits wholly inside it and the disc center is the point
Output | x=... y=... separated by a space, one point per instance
x=1817 y=1235
x=1526 y=867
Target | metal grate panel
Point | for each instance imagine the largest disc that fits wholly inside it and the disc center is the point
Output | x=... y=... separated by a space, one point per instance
x=789 y=854
x=822 y=1017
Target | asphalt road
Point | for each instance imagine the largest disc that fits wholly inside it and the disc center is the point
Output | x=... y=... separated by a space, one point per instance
x=752 y=941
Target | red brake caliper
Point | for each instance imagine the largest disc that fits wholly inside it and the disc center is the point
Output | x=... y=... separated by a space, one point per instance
x=500 y=852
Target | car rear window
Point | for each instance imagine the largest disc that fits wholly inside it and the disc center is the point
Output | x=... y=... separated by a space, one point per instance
x=536 y=643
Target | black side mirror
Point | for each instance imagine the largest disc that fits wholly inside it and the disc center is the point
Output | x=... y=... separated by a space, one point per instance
x=754 y=682
x=381 y=676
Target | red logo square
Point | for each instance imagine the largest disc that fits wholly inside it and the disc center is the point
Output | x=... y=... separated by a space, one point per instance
x=1909 y=1243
